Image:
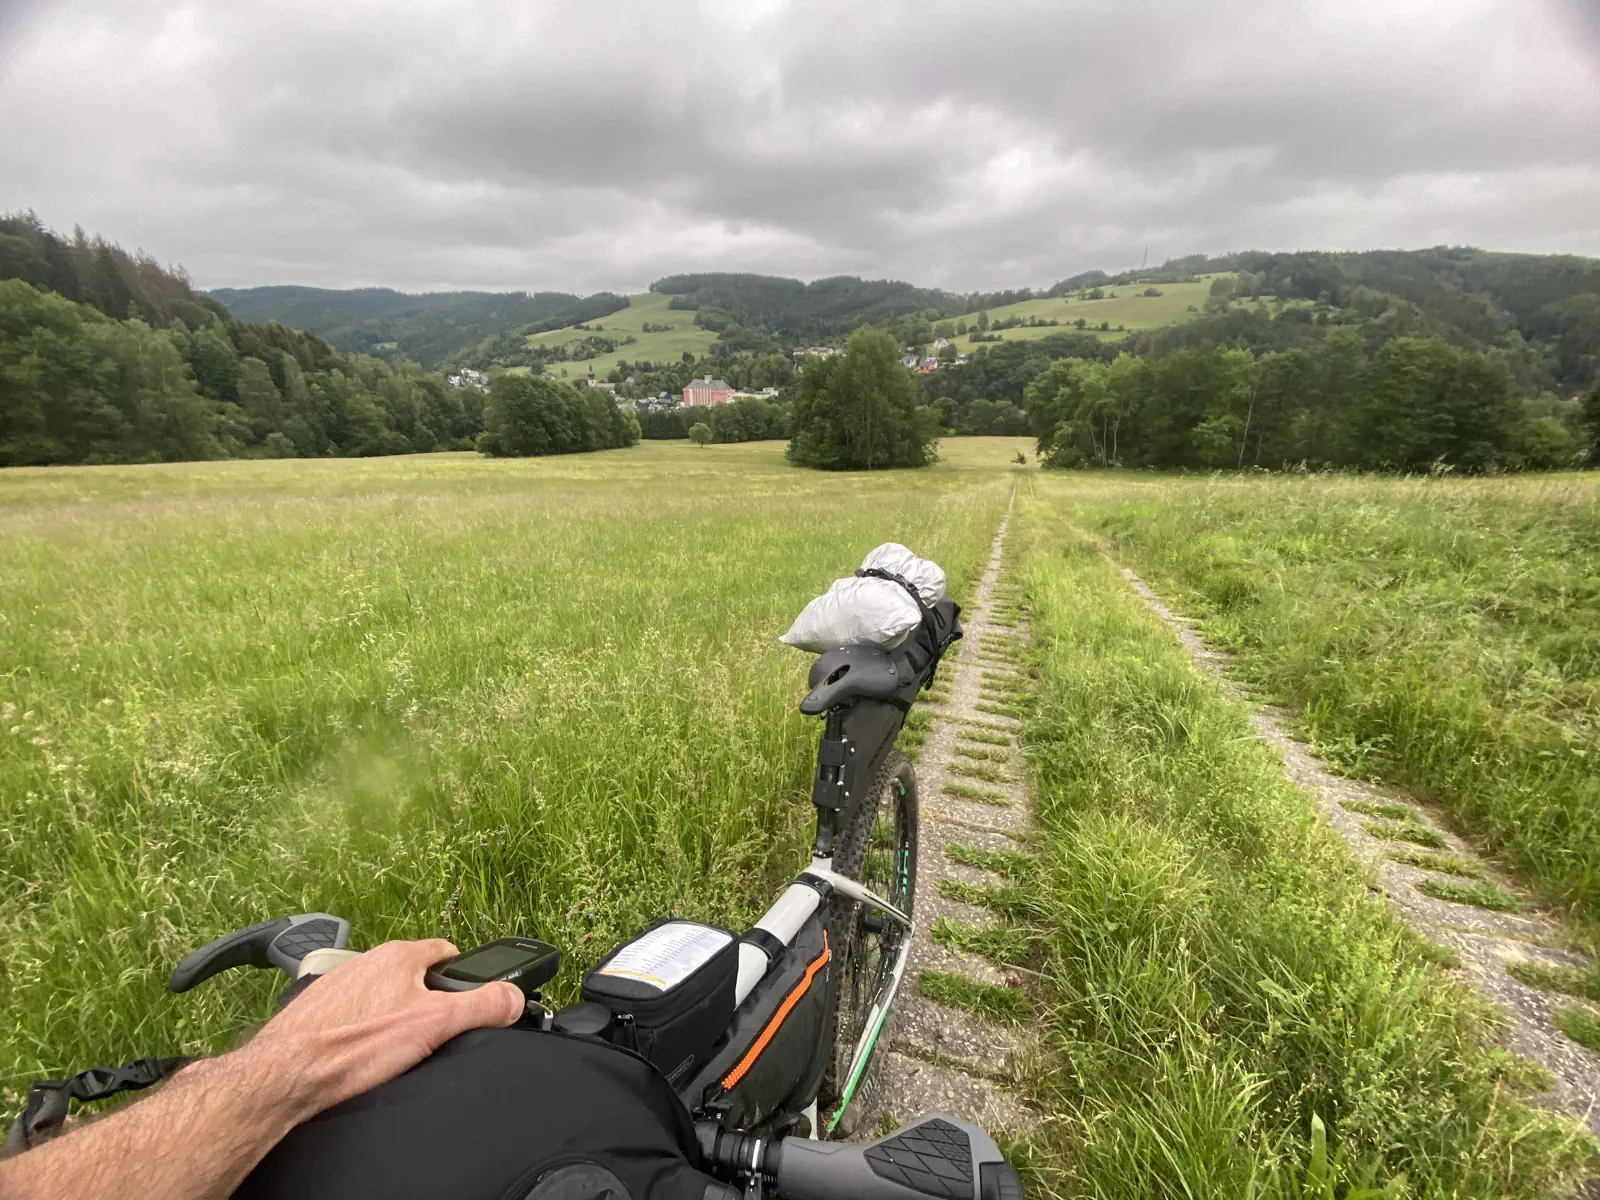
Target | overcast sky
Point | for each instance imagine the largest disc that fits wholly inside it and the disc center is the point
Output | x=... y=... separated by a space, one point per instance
x=540 y=144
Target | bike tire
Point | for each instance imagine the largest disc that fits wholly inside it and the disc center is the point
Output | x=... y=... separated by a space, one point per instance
x=881 y=835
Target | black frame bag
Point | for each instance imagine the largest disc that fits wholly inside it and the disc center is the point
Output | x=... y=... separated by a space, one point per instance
x=778 y=1044
x=501 y=1114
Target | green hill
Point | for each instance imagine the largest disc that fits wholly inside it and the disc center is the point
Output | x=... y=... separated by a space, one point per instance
x=1121 y=309
x=672 y=332
x=1540 y=313
x=429 y=327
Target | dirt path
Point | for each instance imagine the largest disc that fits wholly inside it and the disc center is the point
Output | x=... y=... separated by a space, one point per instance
x=971 y=792
x=1488 y=942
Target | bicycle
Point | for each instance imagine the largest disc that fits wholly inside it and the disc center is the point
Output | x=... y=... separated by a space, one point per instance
x=769 y=1039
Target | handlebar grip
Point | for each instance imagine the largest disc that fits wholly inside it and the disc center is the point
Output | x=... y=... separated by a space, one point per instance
x=242 y=947
x=281 y=943
x=937 y=1157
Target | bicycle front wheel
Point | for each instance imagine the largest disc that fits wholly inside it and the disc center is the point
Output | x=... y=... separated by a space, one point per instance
x=878 y=847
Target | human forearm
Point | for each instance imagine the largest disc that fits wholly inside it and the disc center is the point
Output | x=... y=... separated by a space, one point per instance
x=197 y=1136
x=364 y=1022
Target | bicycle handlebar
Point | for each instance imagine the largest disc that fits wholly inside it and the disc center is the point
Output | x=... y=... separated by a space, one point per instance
x=935 y=1157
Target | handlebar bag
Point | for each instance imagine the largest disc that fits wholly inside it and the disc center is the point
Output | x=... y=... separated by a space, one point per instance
x=671 y=989
x=779 y=1040
x=498 y=1114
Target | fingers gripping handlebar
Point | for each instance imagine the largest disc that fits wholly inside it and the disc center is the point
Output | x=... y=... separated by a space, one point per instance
x=936 y=1157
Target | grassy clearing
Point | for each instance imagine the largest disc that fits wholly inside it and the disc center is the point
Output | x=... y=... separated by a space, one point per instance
x=1216 y=979
x=998 y=710
x=1128 y=307
x=649 y=308
x=1005 y=899
x=983 y=737
x=1442 y=633
x=433 y=694
x=1008 y=944
x=978 y=770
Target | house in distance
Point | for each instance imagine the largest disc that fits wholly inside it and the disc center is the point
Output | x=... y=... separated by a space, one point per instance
x=706 y=393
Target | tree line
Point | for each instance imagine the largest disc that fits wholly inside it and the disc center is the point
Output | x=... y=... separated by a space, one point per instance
x=750 y=419
x=1411 y=403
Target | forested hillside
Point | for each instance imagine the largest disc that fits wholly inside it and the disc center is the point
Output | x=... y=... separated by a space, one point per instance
x=740 y=312
x=1391 y=359
x=108 y=357
x=431 y=327
x=1539 y=313
x=1543 y=309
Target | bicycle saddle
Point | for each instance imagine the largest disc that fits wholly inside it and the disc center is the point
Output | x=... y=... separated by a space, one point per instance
x=852 y=673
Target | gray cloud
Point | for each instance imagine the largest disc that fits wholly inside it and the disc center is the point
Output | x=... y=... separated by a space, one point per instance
x=496 y=144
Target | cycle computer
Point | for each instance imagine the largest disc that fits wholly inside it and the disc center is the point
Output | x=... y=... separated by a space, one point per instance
x=526 y=962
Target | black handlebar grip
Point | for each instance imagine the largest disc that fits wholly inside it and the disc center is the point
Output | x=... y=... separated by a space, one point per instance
x=306 y=932
x=242 y=947
x=937 y=1157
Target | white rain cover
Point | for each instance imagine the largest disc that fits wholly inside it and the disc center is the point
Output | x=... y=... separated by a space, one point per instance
x=878 y=612
x=922 y=573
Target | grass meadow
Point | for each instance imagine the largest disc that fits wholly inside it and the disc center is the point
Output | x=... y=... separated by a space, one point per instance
x=1440 y=634
x=443 y=694
x=1216 y=979
x=433 y=694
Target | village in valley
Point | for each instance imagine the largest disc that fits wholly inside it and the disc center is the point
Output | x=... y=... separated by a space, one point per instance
x=710 y=392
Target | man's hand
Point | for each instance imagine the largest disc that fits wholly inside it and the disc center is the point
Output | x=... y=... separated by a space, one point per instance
x=201 y=1133
x=371 y=1018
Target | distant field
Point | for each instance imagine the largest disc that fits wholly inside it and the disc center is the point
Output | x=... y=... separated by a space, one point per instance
x=648 y=308
x=1127 y=307
x=1440 y=634
x=435 y=693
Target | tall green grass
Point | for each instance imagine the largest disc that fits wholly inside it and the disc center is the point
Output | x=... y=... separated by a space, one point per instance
x=1442 y=634
x=433 y=694
x=1222 y=993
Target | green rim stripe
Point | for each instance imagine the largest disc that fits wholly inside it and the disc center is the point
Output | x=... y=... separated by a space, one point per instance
x=855 y=1076
x=877 y=1026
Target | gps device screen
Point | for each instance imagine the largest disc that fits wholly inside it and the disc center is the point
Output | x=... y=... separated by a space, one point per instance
x=490 y=962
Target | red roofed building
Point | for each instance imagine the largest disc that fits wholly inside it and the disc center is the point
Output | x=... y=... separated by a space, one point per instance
x=706 y=393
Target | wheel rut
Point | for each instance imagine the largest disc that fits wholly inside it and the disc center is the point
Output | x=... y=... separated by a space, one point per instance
x=971 y=793
x=1386 y=828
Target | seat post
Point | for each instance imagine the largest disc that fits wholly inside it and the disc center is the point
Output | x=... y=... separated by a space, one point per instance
x=827 y=789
